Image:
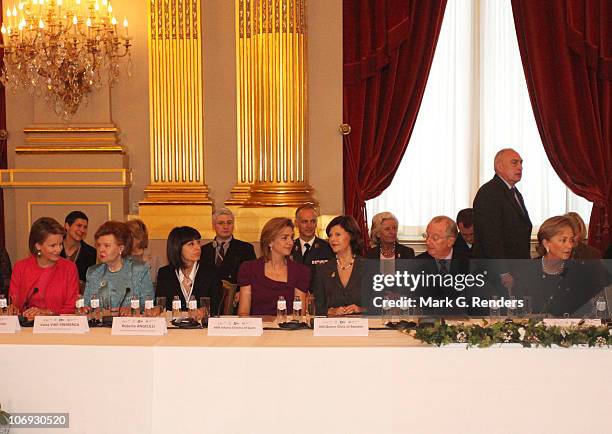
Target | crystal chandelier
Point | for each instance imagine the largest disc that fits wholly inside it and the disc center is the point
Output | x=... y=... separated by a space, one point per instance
x=62 y=49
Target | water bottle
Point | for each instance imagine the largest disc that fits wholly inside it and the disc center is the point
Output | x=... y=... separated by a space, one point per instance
x=94 y=303
x=3 y=305
x=148 y=307
x=281 y=310
x=297 y=309
x=176 y=308
x=79 y=306
x=135 y=305
x=600 y=308
x=192 y=306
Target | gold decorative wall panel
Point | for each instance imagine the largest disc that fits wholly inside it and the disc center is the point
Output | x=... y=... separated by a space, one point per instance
x=272 y=103
x=175 y=103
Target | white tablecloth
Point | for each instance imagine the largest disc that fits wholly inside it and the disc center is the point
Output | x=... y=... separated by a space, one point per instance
x=291 y=382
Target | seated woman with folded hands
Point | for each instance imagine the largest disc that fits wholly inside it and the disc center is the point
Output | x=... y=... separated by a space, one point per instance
x=264 y=280
x=44 y=283
x=337 y=284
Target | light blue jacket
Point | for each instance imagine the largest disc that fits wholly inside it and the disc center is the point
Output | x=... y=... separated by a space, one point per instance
x=134 y=275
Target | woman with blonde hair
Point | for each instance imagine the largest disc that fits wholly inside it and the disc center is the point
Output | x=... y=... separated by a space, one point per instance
x=264 y=280
x=557 y=284
x=383 y=238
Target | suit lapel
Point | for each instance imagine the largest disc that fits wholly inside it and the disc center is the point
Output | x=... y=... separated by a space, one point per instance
x=296 y=254
x=513 y=200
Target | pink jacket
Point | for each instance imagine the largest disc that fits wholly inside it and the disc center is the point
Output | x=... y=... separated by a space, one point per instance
x=57 y=290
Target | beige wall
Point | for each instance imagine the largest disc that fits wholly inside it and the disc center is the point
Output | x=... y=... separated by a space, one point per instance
x=127 y=106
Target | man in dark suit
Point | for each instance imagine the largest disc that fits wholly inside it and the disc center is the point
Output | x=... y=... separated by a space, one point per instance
x=442 y=259
x=308 y=249
x=502 y=228
x=75 y=248
x=225 y=252
x=465 y=225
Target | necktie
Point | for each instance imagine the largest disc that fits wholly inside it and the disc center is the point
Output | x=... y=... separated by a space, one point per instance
x=220 y=254
x=306 y=250
x=443 y=266
x=519 y=199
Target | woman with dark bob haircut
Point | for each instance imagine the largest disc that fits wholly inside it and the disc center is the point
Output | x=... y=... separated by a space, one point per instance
x=337 y=284
x=185 y=275
x=44 y=283
x=264 y=280
x=117 y=271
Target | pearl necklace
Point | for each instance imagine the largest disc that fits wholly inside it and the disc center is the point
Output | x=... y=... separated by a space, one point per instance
x=548 y=270
x=388 y=253
x=344 y=267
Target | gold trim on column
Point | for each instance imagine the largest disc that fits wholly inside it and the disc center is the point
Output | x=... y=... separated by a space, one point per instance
x=175 y=103
x=272 y=107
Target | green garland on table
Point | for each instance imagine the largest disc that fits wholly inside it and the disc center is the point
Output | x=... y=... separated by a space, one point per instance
x=530 y=333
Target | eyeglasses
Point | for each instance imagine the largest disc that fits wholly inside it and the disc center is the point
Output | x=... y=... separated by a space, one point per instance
x=434 y=238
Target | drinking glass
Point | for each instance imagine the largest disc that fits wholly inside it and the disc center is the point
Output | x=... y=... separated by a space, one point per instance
x=205 y=306
x=494 y=309
x=160 y=302
x=311 y=306
x=527 y=306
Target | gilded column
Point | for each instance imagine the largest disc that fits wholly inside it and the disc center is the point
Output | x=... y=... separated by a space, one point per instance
x=177 y=187
x=175 y=103
x=272 y=104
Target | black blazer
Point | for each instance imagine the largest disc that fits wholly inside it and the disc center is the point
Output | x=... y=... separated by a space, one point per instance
x=459 y=264
x=401 y=252
x=237 y=253
x=462 y=246
x=319 y=252
x=558 y=294
x=328 y=289
x=206 y=284
x=88 y=256
x=501 y=229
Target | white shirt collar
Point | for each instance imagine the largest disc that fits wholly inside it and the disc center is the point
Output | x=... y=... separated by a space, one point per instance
x=179 y=274
x=505 y=182
x=310 y=243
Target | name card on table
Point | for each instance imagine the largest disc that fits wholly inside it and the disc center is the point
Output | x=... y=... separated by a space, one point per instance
x=570 y=322
x=9 y=324
x=340 y=326
x=139 y=326
x=235 y=327
x=61 y=324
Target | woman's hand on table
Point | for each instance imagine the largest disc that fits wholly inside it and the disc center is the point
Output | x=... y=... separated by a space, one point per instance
x=351 y=309
x=32 y=312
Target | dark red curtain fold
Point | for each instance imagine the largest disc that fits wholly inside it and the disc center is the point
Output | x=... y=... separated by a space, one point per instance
x=388 y=49
x=566 y=49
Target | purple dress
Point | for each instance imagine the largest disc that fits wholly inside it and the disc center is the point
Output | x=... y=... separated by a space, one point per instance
x=265 y=291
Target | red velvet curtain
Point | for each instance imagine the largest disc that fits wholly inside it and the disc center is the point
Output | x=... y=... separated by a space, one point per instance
x=388 y=49
x=566 y=49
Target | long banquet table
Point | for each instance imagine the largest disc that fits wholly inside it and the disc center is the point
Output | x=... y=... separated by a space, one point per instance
x=293 y=382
